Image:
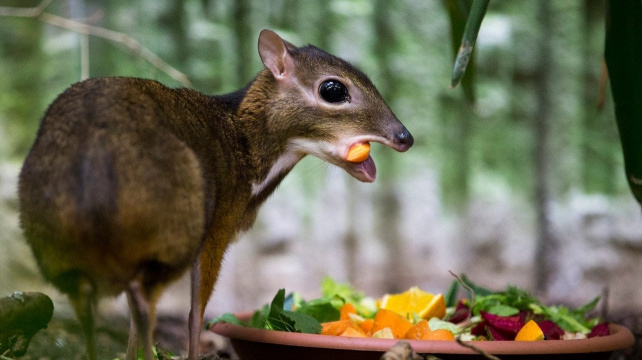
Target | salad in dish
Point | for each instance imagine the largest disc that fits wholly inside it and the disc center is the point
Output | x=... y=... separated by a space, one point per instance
x=480 y=314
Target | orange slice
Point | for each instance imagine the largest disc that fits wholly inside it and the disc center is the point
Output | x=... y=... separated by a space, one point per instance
x=530 y=332
x=358 y=152
x=424 y=304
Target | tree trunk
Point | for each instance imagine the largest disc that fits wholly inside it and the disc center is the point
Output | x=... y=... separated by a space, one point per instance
x=387 y=215
x=547 y=244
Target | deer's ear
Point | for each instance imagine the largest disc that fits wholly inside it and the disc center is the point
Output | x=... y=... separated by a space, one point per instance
x=275 y=54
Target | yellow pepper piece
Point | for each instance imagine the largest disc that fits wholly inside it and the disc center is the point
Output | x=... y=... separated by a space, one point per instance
x=530 y=332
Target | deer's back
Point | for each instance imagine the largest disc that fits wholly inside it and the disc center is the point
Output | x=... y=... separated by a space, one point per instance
x=108 y=190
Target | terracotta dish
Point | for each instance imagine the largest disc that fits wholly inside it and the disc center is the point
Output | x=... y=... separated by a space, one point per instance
x=251 y=344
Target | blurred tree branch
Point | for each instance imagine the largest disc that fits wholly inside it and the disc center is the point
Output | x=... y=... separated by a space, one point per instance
x=133 y=45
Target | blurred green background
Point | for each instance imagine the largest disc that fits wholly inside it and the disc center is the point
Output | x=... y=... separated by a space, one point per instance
x=516 y=177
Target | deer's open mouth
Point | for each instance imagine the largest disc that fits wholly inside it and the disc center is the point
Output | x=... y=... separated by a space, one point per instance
x=366 y=170
x=361 y=167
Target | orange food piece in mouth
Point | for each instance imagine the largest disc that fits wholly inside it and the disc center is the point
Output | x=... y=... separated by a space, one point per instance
x=358 y=152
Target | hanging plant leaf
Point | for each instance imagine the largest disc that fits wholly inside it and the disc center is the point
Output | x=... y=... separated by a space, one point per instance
x=623 y=54
x=477 y=13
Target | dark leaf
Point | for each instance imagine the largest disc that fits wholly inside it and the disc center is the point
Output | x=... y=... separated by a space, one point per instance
x=451 y=294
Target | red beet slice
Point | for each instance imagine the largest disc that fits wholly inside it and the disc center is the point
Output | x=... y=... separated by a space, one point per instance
x=499 y=335
x=601 y=329
x=551 y=330
x=503 y=327
x=479 y=329
x=461 y=313
x=510 y=324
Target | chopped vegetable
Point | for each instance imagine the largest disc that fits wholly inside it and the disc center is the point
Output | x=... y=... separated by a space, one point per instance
x=384 y=333
x=439 y=334
x=530 y=332
x=601 y=329
x=366 y=325
x=503 y=327
x=398 y=324
x=551 y=330
x=336 y=327
x=461 y=313
x=346 y=310
x=436 y=324
x=358 y=152
x=418 y=331
x=353 y=332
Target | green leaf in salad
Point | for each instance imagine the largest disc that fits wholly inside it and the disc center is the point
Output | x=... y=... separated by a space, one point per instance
x=285 y=320
x=321 y=309
x=227 y=317
x=576 y=320
x=258 y=318
x=451 y=294
x=502 y=310
x=436 y=324
x=331 y=288
x=340 y=293
x=477 y=289
x=303 y=323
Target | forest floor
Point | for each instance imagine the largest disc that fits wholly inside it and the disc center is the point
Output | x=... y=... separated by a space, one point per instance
x=62 y=340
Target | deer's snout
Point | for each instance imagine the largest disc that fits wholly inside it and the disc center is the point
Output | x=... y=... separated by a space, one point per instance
x=403 y=140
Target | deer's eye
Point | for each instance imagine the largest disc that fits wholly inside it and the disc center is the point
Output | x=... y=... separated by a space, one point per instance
x=333 y=91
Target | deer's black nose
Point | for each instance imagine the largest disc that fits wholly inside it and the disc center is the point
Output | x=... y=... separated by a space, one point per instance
x=404 y=139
